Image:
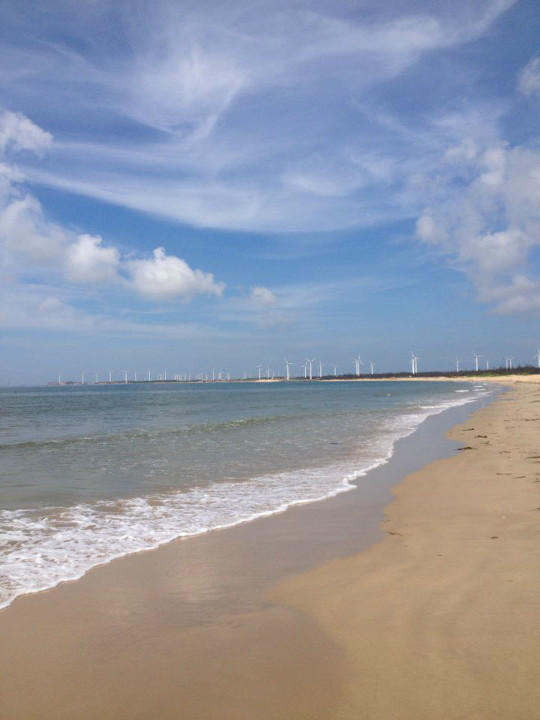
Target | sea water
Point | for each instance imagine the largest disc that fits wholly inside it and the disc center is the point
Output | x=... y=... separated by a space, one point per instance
x=90 y=473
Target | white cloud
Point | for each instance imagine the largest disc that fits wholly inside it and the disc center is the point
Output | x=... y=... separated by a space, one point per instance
x=20 y=133
x=242 y=95
x=25 y=232
x=166 y=277
x=263 y=296
x=489 y=224
x=88 y=262
x=40 y=307
x=184 y=90
x=529 y=78
x=34 y=246
x=429 y=231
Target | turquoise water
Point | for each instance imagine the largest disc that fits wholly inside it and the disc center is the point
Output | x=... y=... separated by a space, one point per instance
x=89 y=473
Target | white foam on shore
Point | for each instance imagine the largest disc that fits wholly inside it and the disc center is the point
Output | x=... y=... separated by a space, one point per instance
x=42 y=548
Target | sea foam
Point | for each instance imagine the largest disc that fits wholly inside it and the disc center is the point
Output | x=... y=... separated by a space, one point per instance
x=43 y=547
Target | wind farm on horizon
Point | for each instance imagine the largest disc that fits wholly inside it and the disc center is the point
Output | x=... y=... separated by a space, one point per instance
x=311 y=369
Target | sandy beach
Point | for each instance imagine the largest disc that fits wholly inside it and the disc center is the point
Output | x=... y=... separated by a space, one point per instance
x=440 y=619
x=433 y=614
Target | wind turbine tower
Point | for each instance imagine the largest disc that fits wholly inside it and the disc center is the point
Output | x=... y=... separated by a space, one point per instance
x=358 y=362
x=476 y=359
x=320 y=369
x=372 y=366
x=335 y=370
x=126 y=376
x=537 y=357
x=288 y=364
x=310 y=362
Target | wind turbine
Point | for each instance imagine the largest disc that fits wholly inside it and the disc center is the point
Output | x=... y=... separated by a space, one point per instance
x=149 y=375
x=110 y=375
x=335 y=370
x=414 y=363
x=510 y=363
x=259 y=368
x=358 y=362
x=288 y=364
x=82 y=377
x=534 y=357
x=372 y=366
x=320 y=369
x=310 y=367
x=457 y=365
x=126 y=376
x=476 y=359
x=305 y=370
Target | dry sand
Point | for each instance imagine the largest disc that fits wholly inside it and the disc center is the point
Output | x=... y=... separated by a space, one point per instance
x=438 y=620
x=442 y=618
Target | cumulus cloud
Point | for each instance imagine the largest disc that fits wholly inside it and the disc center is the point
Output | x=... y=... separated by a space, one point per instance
x=491 y=223
x=529 y=78
x=33 y=244
x=20 y=133
x=88 y=262
x=25 y=231
x=166 y=277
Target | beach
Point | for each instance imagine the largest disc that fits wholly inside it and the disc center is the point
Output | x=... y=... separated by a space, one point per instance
x=328 y=610
x=440 y=619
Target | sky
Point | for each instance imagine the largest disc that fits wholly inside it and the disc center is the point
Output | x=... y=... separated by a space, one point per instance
x=189 y=185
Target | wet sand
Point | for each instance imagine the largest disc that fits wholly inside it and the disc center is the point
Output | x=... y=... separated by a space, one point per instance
x=197 y=630
x=441 y=618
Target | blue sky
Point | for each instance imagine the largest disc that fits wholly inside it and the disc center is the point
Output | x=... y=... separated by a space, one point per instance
x=189 y=185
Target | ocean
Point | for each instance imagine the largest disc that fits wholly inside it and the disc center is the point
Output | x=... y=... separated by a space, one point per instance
x=91 y=473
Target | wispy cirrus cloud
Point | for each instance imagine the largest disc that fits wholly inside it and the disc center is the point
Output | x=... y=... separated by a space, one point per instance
x=235 y=116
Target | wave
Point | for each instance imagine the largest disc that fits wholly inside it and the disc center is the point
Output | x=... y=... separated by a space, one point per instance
x=44 y=547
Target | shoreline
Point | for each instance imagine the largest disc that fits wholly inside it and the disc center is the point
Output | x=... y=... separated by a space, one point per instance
x=191 y=644
x=440 y=618
x=346 y=481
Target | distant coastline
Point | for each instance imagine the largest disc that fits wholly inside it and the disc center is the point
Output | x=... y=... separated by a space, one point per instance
x=528 y=374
